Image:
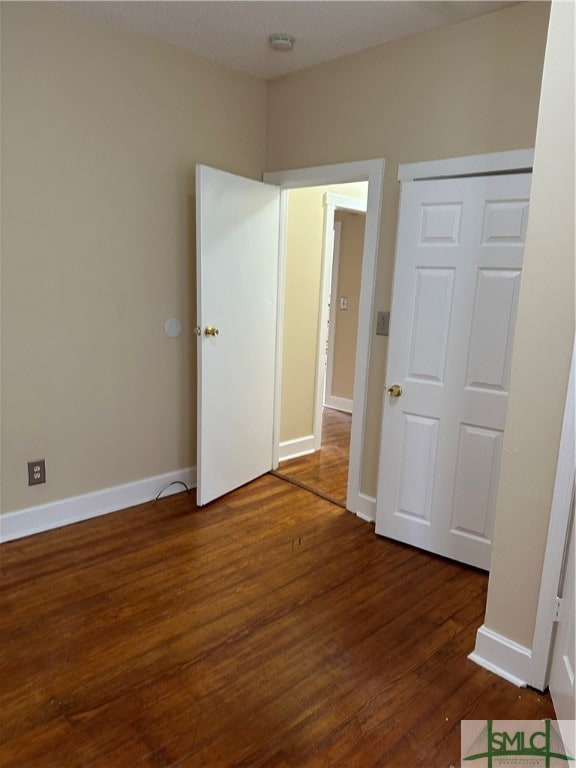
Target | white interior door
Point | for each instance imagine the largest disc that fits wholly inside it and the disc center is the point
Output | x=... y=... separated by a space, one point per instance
x=238 y=223
x=457 y=277
x=563 y=663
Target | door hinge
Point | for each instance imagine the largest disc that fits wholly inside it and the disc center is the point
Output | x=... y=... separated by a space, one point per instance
x=557 y=609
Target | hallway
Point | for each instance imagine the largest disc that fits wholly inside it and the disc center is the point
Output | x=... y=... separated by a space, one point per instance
x=325 y=470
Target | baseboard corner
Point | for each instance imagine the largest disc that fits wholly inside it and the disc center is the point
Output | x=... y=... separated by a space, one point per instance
x=502 y=656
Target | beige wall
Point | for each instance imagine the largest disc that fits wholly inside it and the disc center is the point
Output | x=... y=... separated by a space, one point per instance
x=304 y=249
x=346 y=321
x=101 y=131
x=542 y=350
x=466 y=89
x=304 y=236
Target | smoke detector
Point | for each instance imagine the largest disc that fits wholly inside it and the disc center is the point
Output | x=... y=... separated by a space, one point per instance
x=281 y=42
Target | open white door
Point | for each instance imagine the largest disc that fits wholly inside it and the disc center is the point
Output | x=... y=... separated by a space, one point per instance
x=457 y=276
x=554 y=644
x=237 y=223
x=563 y=662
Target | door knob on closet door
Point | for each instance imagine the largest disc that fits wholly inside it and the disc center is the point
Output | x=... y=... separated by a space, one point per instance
x=211 y=331
x=395 y=390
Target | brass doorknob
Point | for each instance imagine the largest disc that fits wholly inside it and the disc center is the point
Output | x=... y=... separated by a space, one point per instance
x=395 y=390
x=211 y=331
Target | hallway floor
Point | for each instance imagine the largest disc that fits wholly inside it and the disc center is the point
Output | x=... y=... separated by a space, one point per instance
x=326 y=470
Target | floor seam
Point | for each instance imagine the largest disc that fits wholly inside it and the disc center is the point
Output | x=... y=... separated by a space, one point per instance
x=308 y=488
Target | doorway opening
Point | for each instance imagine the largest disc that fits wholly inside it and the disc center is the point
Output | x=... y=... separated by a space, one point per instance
x=372 y=171
x=325 y=229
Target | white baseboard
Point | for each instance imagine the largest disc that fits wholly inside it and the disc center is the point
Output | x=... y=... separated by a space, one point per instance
x=502 y=656
x=291 y=449
x=26 y=522
x=338 y=403
x=365 y=507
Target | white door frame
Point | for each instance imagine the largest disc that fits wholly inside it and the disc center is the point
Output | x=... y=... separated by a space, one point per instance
x=332 y=321
x=556 y=545
x=361 y=170
x=329 y=282
x=512 y=161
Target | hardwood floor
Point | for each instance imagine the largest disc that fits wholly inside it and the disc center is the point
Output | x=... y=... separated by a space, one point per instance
x=269 y=629
x=326 y=470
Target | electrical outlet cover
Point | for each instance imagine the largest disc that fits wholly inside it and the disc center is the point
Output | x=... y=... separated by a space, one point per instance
x=36 y=472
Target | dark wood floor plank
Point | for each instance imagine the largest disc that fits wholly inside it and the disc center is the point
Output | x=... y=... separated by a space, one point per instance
x=269 y=628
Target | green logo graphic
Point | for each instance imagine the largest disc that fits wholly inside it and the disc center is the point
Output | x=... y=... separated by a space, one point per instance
x=490 y=744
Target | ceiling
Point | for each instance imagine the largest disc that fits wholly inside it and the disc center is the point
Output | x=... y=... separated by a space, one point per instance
x=235 y=32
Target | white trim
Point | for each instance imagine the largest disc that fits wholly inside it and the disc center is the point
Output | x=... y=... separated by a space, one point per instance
x=495 y=162
x=373 y=172
x=45 y=517
x=346 y=203
x=322 y=337
x=364 y=338
x=321 y=175
x=329 y=373
x=339 y=403
x=365 y=507
x=282 y=249
x=558 y=528
x=300 y=446
x=502 y=656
